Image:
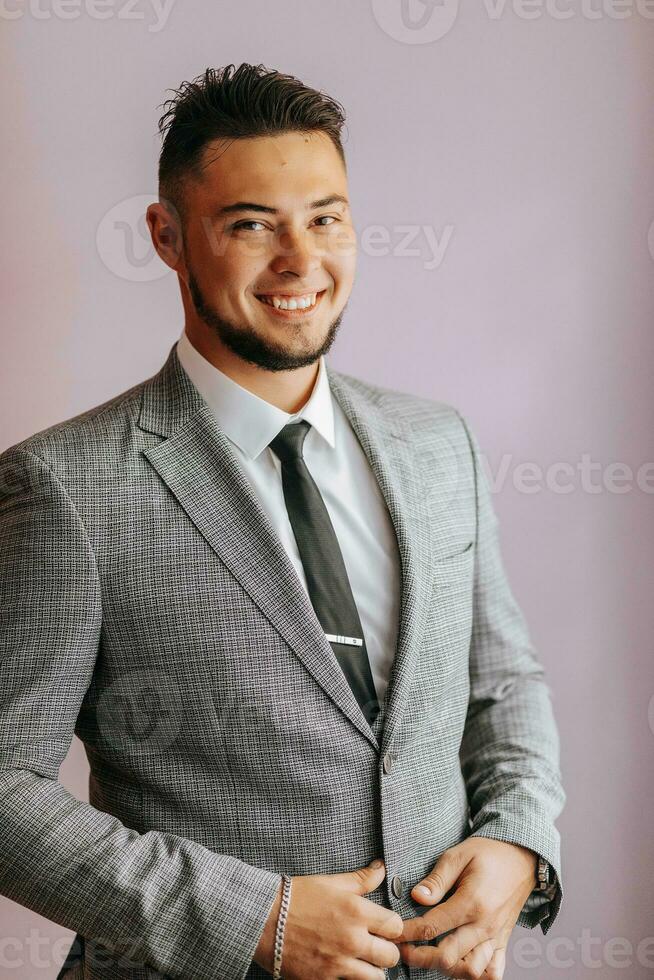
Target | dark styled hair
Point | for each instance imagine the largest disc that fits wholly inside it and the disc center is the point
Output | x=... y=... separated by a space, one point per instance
x=236 y=103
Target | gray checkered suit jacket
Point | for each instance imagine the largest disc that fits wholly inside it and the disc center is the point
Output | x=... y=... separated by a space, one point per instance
x=147 y=605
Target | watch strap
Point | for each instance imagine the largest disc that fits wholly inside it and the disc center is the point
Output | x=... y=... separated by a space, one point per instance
x=544 y=876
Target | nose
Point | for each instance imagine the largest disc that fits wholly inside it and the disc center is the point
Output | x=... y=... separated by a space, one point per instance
x=296 y=253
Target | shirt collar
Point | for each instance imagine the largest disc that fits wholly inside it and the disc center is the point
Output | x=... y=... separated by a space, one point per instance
x=249 y=421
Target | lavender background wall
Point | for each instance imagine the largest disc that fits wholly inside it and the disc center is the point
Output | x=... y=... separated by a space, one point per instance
x=516 y=136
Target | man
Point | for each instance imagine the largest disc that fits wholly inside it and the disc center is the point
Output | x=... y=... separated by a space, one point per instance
x=269 y=599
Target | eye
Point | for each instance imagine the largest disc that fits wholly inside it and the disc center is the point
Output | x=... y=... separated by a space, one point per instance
x=242 y=224
x=326 y=217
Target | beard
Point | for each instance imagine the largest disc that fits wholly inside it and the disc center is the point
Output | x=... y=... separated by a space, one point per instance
x=244 y=341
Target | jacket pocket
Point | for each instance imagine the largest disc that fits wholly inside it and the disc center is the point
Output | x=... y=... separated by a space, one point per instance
x=451 y=556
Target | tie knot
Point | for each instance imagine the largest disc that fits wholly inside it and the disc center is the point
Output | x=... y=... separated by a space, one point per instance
x=287 y=444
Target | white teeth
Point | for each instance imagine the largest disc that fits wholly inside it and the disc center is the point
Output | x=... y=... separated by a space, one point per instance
x=297 y=303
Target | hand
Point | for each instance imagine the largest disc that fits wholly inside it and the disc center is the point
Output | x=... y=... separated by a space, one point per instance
x=331 y=931
x=485 y=882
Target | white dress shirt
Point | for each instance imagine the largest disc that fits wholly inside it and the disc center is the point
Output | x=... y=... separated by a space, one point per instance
x=346 y=482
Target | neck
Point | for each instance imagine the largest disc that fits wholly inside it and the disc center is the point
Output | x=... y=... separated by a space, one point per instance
x=287 y=390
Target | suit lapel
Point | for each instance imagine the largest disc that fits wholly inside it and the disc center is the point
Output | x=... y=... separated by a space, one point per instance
x=387 y=443
x=198 y=464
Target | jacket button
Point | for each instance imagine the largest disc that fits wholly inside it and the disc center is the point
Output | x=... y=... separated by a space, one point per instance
x=387 y=762
x=397 y=886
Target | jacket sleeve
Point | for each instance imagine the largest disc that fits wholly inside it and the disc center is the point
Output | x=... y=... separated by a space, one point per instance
x=510 y=748
x=154 y=898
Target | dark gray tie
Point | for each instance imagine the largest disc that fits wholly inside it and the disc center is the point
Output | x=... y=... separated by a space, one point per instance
x=324 y=568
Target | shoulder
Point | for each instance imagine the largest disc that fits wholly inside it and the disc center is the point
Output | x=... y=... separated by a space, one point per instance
x=103 y=432
x=416 y=412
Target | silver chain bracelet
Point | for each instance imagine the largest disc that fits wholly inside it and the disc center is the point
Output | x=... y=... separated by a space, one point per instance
x=281 y=923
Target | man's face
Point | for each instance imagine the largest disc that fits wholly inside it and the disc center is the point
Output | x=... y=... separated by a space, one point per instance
x=268 y=224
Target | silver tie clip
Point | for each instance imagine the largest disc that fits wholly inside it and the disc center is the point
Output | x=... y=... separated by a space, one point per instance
x=351 y=641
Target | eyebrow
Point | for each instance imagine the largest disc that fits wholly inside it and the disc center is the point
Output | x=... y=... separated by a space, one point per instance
x=262 y=208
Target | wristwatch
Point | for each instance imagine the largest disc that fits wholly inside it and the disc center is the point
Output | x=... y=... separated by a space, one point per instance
x=544 y=875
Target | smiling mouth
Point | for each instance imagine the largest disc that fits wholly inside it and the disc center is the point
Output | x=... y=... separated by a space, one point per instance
x=288 y=305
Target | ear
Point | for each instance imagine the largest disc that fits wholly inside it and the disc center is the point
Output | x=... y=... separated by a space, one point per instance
x=165 y=227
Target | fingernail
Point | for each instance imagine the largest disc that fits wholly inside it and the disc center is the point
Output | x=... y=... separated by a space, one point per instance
x=376 y=863
x=423 y=889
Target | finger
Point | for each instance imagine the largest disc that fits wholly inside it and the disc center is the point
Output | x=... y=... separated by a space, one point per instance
x=361 y=880
x=476 y=961
x=358 y=970
x=443 y=876
x=456 y=911
x=378 y=952
x=426 y=958
x=496 y=966
x=420 y=957
x=460 y=943
x=382 y=921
